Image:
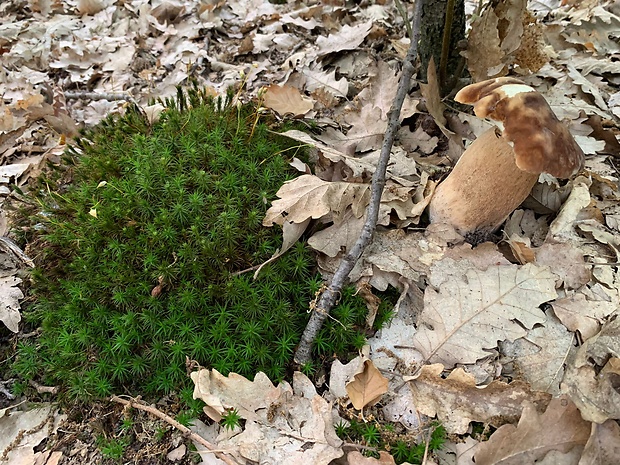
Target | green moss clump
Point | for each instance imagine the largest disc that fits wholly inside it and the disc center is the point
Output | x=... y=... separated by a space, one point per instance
x=144 y=248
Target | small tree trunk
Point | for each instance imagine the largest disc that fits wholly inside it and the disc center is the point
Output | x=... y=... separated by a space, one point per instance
x=432 y=37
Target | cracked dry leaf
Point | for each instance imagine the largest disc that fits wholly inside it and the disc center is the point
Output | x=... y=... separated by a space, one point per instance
x=559 y=429
x=469 y=313
x=287 y=100
x=310 y=197
x=367 y=387
x=457 y=401
x=30 y=428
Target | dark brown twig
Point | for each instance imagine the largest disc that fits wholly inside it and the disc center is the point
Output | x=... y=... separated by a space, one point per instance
x=327 y=300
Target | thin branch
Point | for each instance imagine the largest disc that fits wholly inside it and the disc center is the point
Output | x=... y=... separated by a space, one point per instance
x=303 y=354
x=134 y=403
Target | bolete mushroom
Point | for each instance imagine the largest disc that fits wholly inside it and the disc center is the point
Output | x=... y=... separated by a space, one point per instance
x=498 y=170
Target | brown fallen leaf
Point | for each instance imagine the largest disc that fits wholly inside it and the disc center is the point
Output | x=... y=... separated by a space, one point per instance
x=367 y=387
x=287 y=100
x=457 y=401
x=560 y=428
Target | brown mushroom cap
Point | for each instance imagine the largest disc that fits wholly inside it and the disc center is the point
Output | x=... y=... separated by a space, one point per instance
x=542 y=144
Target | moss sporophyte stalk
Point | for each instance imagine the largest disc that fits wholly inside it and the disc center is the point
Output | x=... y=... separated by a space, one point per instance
x=142 y=235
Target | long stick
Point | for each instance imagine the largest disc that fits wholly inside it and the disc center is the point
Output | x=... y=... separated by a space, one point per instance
x=303 y=354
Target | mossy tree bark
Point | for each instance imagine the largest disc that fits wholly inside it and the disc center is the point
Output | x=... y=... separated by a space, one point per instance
x=432 y=36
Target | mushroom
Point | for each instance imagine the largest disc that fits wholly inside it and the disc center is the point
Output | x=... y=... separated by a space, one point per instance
x=498 y=170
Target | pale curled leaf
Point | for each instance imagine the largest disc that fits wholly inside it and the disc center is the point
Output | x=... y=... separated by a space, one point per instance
x=457 y=401
x=470 y=312
x=560 y=428
x=310 y=197
x=367 y=387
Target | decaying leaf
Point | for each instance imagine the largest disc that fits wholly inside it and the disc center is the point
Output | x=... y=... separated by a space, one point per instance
x=566 y=260
x=348 y=38
x=457 y=401
x=317 y=79
x=367 y=387
x=10 y=295
x=368 y=125
x=284 y=424
x=603 y=446
x=560 y=429
x=578 y=313
x=592 y=379
x=470 y=312
x=221 y=393
x=287 y=100
x=310 y=197
x=29 y=428
x=540 y=356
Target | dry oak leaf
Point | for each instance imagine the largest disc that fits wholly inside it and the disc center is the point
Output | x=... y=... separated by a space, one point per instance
x=286 y=99
x=367 y=387
x=560 y=429
x=310 y=197
x=469 y=313
x=457 y=401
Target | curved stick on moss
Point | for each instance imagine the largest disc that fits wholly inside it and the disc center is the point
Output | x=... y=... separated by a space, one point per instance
x=303 y=354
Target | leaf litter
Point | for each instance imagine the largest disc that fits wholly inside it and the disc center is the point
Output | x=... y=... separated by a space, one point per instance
x=509 y=327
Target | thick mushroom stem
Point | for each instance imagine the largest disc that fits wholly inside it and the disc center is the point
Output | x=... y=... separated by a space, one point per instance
x=484 y=187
